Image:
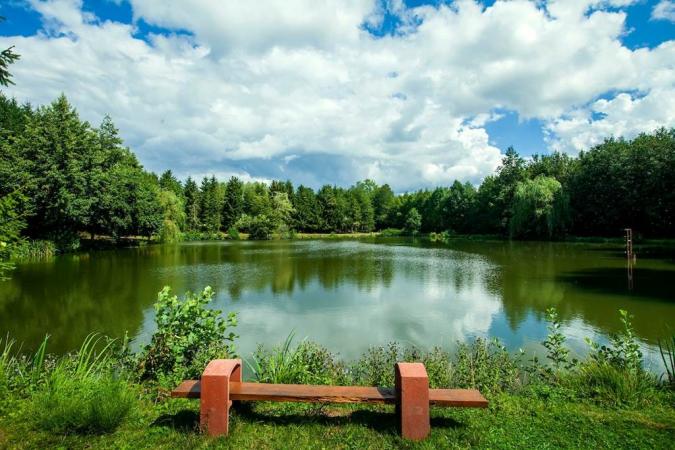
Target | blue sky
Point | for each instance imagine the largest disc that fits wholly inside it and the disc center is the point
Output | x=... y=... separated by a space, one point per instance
x=401 y=92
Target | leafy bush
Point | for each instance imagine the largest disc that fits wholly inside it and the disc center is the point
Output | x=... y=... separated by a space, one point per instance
x=261 y=227
x=188 y=336
x=391 y=232
x=233 y=233
x=623 y=351
x=557 y=353
x=485 y=365
x=81 y=404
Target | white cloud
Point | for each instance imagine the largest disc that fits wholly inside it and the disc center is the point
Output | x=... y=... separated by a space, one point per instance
x=267 y=88
x=664 y=10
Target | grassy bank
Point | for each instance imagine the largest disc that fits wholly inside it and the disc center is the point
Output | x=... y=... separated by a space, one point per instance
x=104 y=396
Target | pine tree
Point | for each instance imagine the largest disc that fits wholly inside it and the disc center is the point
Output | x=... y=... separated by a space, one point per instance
x=192 y=205
x=233 y=206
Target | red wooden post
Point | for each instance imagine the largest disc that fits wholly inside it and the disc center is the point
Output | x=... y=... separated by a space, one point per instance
x=412 y=400
x=215 y=395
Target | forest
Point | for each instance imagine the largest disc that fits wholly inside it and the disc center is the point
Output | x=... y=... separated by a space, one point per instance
x=62 y=179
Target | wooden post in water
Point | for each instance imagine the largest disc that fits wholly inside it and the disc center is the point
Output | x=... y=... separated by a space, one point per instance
x=630 y=256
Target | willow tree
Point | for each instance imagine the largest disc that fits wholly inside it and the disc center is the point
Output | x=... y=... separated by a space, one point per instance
x=539 y=209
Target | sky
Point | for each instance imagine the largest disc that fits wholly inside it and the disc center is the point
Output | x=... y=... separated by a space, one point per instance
x=412 y=93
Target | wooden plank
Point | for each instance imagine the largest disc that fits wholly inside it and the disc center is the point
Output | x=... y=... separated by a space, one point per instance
x=469 y=398
x=310 y=393
x=464 y=398
x=187 y=389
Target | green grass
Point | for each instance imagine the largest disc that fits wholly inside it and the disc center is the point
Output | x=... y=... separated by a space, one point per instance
x=525 y=420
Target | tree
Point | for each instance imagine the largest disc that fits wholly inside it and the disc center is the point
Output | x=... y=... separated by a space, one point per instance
x=233 y=206
x=168 y=182
x=59 y=151
x=210 y=207
x=7 y=58
x=306 y=217
x=458 y=204
x=539 y=209
x=281 y=213
x=173 y=216
x=383 y=204
x=12 y=222
x=192 y=205
x=413 y=222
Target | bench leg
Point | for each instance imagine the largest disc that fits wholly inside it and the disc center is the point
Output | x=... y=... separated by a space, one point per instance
x=412 y=401
x=215 y=395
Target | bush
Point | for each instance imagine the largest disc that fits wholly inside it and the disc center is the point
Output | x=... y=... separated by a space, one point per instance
x=623 y=350
x=87 y=404
x=188 y=336
x=233 y=233
x=391 y=232
x=261 y=227
x=485 y=365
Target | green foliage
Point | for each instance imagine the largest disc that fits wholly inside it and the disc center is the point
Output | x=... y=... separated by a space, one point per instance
x=260 y=227
x=554 y=343
x=211 y=198
x=233 y=233
x=539 y=209
x=623 y=350
x=174 y=217
x=7 y=57
x=306 y=363
x=188 y=336
x=192 y=205
x=413 y=222
x=486 y=365
x=233 y=206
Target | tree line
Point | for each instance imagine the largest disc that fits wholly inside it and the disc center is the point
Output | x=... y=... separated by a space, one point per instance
x=61 y=177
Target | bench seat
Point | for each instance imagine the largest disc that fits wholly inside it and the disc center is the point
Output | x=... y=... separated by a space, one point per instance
x=469 y=398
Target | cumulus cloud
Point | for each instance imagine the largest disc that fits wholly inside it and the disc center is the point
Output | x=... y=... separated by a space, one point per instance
x=301 y=89
x=664 y=10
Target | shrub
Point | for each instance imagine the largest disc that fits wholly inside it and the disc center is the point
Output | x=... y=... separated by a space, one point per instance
x=188 y=336
x=485 y=365
x=233 y=233
x=623 y=351
x=556 y=352
x=81 y=404
x=391 y=232
x=261 y=227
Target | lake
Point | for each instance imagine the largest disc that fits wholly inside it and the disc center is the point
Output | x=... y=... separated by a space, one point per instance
x=350 y=294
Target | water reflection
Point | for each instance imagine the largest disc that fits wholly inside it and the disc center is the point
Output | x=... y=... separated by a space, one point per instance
x=345 y=294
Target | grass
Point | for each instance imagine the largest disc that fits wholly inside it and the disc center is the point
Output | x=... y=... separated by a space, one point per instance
x=525 y=420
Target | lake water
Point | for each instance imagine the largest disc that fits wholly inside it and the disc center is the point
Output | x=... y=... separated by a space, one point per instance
x=350 y=294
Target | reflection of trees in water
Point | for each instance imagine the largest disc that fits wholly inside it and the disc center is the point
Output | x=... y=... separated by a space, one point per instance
x=73 y=295
x=587 y=282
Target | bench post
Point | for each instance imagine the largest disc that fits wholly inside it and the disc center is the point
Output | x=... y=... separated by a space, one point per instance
x=214 y=407
x=412 y=400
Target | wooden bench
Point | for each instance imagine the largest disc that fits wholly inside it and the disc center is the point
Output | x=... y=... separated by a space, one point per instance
x=221 y=384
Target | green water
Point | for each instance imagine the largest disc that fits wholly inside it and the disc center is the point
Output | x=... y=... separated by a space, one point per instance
x=351 y=294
